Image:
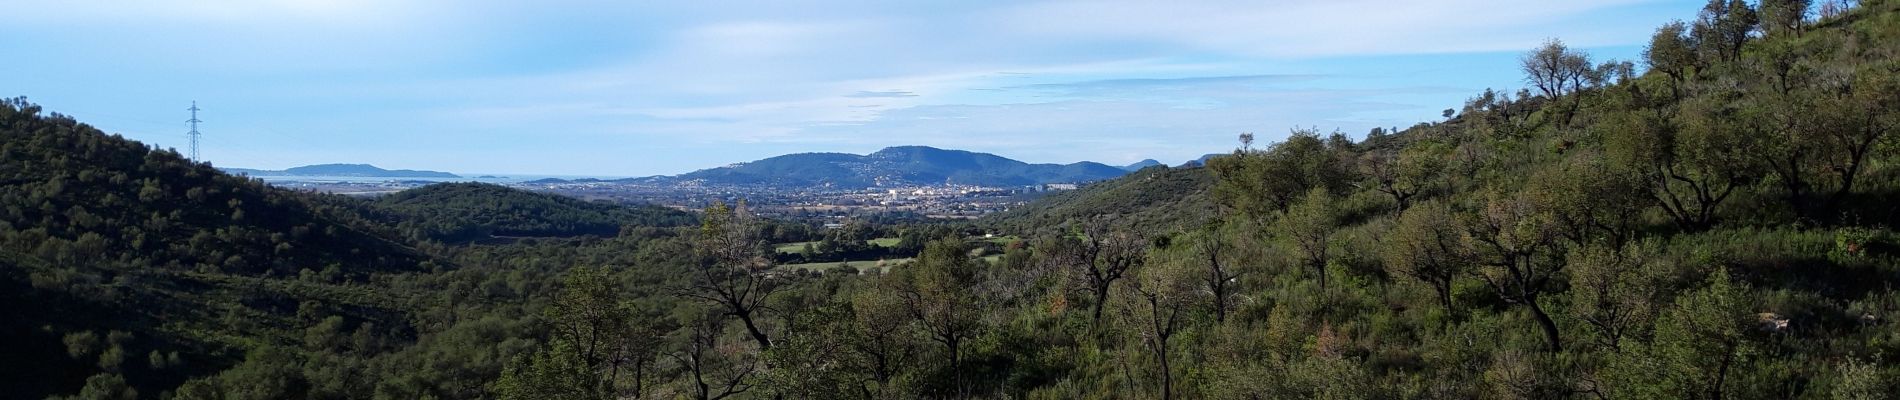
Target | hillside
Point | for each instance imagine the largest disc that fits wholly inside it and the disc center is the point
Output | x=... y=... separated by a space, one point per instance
x=102 y=234
x=894 y=166
x=457 y=212
x=1155 y=199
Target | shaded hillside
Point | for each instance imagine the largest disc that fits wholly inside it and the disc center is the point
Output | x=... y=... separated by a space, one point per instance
x=100 y=234
x=456 y=212
x=905 y=165
x=1155 y=198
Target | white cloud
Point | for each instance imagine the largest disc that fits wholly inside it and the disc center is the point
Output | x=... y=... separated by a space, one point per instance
x=1050 y=80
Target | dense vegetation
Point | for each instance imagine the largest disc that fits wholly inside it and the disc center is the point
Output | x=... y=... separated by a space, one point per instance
x=1151 y=199
x=1718 y=226
x=457 y=212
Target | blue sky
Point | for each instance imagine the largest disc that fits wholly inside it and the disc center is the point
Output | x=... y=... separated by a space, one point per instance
x=634 y=88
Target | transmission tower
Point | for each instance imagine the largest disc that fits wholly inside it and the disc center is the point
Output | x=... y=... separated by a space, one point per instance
x=194 y=130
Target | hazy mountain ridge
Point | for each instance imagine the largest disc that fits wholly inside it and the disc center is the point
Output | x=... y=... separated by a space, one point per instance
x=895 y=166
x=354 y=170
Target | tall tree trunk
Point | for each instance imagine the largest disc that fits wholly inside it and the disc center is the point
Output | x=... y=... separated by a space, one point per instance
x=1550 y=326
x=1444 y=297
x=757 y=335
x=1167 y=372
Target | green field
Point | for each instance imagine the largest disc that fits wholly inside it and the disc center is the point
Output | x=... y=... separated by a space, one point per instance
x=860 y=264
x=866 y=264
x=795 y=247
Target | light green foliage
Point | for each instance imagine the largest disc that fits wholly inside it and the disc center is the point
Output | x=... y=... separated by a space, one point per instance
x=1701 y=342
x=555 y=373
x=1428 y=246
x=1307 y=227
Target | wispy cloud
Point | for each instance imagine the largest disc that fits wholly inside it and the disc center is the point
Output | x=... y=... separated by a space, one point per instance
x=663 y=87
x=878 y=94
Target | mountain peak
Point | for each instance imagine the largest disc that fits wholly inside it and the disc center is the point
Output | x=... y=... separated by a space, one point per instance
x=902 y=166
x=1137 y=166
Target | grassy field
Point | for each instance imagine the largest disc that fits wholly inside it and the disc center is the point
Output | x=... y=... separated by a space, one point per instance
x=794 y=247
x=866 y=264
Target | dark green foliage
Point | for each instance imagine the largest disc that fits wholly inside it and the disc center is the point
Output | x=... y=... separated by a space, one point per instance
x=1151 y=199
x=461 y=212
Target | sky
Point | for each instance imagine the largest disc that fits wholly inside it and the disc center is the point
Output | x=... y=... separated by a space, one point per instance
x=637 y=88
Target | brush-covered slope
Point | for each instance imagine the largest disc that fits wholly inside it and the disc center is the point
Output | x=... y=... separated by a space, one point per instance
x=453 y=212
x=111 y=252
x=1154 y=198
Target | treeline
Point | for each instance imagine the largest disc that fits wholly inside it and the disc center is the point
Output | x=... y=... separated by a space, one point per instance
x=461 y=212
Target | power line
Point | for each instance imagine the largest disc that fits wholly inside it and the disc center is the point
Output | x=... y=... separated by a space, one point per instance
x=194 y=130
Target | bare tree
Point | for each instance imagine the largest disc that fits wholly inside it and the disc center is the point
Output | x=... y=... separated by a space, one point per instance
x=1101 y=256
x=1556 y=70
x=1308 y=226
x=1514 y=243
x=719 y=370
x=1221 y=274
x=1428 y=246
x=731 y=274
x=938 y=291
x=1163 y=295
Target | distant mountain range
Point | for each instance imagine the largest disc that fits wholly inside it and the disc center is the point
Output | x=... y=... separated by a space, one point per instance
x=894 y=166
x=351 y=170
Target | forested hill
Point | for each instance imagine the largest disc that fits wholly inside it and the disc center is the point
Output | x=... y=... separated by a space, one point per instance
x=1153 y=198
x=100 y=234
x=1719 y=225
x=903 y=165
x=456 y=212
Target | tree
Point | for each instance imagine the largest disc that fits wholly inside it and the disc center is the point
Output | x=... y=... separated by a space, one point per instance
x=1427 y=245
x=1513 y=240
x=104 y=387
x=731 y=271
x=1258 y=183
x=1584 y=199
x=1164 y=293
x=1308 y=227
x=882 y=336
x=717 y=369
x=814 y=359
x=1818 y=129
x=1615 y=290
x=1556 y=70
x=1101 y=255
x=556 y=372
x=938 y=291
x=589 y=315
x=1701 y=339
x=1223 y=272
x=1689 y=164
x=1784 y=16
x=1672 y=52
x=1722 y=28
x=1406 y=173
